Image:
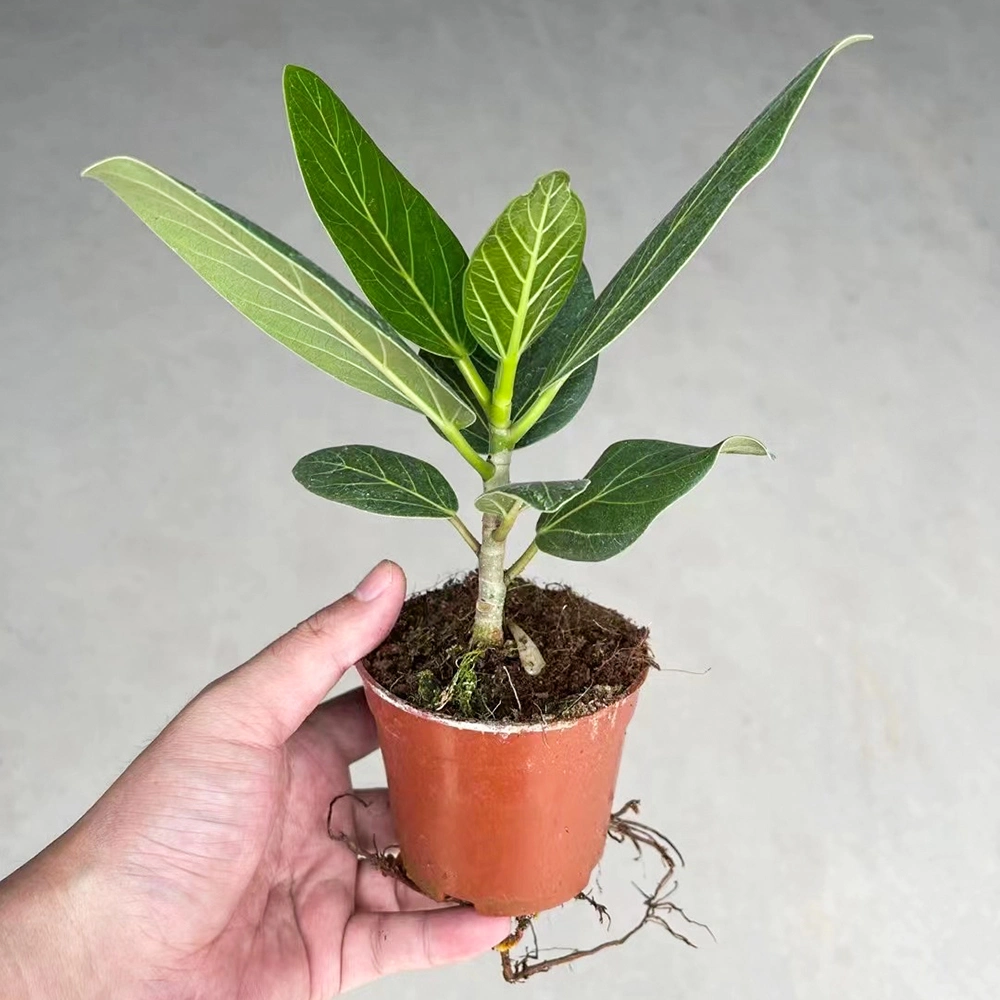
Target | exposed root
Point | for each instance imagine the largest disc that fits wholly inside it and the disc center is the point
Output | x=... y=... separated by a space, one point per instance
x=385 y=861
x=510 y=680
x=657 y=905
x=599 y=908
x=658 y=908
x=513 y=939
x=333 y=802
x=639 y=834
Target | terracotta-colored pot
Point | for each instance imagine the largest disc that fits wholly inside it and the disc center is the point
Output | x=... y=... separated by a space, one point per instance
x=510 y=818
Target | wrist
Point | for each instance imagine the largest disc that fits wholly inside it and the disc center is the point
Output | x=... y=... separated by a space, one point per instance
x=47 y=930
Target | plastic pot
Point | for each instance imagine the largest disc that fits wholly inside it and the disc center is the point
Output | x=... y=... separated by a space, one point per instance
x=510 y=818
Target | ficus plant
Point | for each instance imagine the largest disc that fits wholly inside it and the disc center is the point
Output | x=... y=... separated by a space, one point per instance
x=497 y=350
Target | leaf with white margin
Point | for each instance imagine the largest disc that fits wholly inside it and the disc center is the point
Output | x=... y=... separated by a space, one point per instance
x=286 y=295
x=377 y=480
x=681 y=232
x=543 y=496
x=630 y=484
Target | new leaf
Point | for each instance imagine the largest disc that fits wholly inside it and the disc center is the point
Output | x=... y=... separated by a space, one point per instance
x=630 y=484
x=400 y=251
x=524 y=267
x=377 y=480
x=531 y=370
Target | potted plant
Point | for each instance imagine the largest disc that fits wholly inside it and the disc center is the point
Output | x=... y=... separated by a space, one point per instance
x=501 y=705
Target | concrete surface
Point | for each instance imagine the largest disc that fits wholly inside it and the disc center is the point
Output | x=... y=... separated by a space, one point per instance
x=834 y=779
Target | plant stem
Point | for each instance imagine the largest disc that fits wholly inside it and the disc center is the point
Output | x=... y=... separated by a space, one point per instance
x=457 y=438
x=468 y=537
x=474 y=381
x=503 y=395
x=517 y=567
x=487 y=630
x=533 y=414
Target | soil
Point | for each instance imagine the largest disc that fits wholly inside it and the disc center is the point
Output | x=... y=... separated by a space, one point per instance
x=593 y=655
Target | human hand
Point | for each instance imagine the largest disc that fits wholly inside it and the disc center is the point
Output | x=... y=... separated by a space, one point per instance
x=206 y=870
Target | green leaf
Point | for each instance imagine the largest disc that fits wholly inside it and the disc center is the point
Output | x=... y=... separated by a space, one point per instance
x=675 y=239
x=530 y=371
x=282 y=292
x=544 y=496
x=534 y=364
x=400 y=251
x=373 y=479
x=629 y=485
x=524 y=267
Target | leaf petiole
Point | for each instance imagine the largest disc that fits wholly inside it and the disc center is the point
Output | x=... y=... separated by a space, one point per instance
x=534 y=413
x=517 y=567
x=501 y=532
x=462 y=446
x=474 y=381
x=502 y=400
x=467 y=536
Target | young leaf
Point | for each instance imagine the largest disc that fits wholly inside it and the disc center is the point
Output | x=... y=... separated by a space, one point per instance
x=524 y=267
x=530 y=371
x=550 y=496
x=283 y=293
x=400 y=251
x=675 y=239
x=373 y=479
x=629 y=485
x=536 y=361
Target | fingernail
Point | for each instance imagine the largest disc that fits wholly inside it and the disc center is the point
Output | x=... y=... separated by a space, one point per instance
x=375 y=582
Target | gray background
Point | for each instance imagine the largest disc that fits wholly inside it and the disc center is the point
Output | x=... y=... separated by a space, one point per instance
x=833 y=778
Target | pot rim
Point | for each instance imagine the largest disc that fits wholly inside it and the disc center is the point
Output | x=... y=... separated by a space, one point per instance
x=496 y=728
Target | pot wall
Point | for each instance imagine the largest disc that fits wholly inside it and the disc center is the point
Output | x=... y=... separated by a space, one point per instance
x=512 y=819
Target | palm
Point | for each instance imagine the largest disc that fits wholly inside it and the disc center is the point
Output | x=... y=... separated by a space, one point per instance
x=207 y=869
x=234 y=877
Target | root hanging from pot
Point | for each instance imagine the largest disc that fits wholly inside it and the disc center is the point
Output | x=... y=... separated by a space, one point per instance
x=639 y=835
x=382 y=860
x=513 y=939
x=658 y=908
x=599 y=908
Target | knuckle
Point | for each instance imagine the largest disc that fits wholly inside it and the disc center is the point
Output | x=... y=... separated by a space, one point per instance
x=312 y=629
x=305 y=638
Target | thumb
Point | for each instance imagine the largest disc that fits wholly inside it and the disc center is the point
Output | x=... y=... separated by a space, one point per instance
x=267 y=698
